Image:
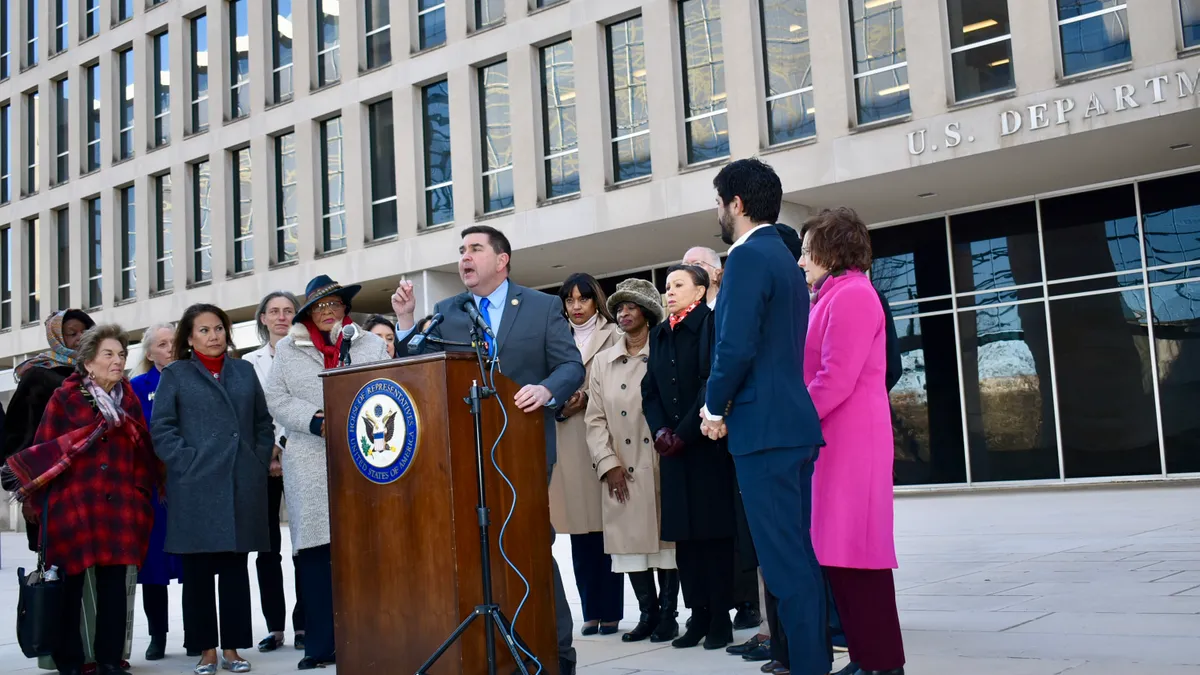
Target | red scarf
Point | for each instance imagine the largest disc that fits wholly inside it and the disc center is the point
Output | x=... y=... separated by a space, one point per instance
x=676 y=319
x=329 y=352
x=213 y=363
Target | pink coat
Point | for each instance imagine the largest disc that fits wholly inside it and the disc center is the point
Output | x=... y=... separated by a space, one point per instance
x=845 y=359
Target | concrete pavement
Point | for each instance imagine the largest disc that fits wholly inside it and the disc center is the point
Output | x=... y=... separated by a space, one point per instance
x=1084 y=581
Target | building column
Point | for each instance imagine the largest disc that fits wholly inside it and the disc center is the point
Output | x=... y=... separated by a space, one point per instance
x=218 y=70
x=110 y=259
x=179 y=50
x=19 y=121
x=76 y=256
x=743 y=75
x=464 y=143
x=1033 y=46
x=144 y=227
x=664 y=87
x=928 y=49
x=304 y=49
x=143 y=94
x=524 y=93
x=351 y=42
x=77 y=111
x=590 y=105
x=403 y=17
x=46 y=134
x=183 y=258
x=260 y=30
x=263 y=200
x=18 y=244
x=220 y=221
x=410 y=156
x=833 y=69
x=1150 y=22
x=356 y=134
x=309 y=198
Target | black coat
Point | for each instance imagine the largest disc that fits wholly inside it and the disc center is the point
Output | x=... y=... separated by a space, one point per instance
x=25 y=411
x=698 y=486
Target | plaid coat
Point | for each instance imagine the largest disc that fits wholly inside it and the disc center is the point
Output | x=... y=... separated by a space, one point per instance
x=100 y=508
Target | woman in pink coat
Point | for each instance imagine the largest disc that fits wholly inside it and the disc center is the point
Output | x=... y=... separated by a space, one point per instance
x=845 y=361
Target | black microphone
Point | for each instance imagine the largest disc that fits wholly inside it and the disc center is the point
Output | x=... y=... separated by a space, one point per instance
x=418 y=340
x=349 y=332
x=468 y=306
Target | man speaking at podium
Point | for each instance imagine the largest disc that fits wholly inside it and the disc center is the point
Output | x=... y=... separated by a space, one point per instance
x=532 y=342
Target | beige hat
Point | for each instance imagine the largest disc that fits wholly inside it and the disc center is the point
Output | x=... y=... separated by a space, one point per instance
x=641 y=293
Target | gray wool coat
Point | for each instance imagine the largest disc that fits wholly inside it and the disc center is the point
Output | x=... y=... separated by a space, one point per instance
x=215 y=437
x=294 y=395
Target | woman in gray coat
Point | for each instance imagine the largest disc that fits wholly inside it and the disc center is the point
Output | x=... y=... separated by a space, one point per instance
x=297 y=401
x=213 y=432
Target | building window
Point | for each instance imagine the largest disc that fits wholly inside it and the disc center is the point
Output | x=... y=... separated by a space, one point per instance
x=93 y=119
x=496 y=131
x=980 y=48
x=6 y=281
x=124 y=11
x=128 y=243
x=33 y=247
x=328 y=42
x=431 y=23
x=439 y=185
x=383 y=170
x=95 y=269
x=880 y=60
x=164 y=246
x=33 y=141
x=31 y=33
x=62 y=136
x=239 y=60
x=62 y=267
x=1189 y=13
x=560 y=136
x=91 y=18
x=199 y=36
x=243 y=213
x=287 y=207
x=201 y=213
x=379 y=33
x=281 y=49
x=5 y=154
x=787 y=61
x=707 y=125
x=488 y=13
x=548 y=3
x=1094 y=34
x=333 y=187
x=5 y=49
x=125 y=101
x=629 y=107
x=62 y=11
x=162 y=90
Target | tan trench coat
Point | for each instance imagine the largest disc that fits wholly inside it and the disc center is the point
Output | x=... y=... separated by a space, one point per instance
x=618 y=436
x=574 y=489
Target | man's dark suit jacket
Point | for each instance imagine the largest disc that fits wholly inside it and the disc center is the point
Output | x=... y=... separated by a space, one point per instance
x=757 y=378
x=534 y=343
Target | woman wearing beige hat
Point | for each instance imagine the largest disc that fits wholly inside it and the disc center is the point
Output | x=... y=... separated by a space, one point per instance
x=622 y=448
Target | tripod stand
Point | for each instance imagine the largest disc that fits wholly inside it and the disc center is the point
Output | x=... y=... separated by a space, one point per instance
x=493 y=617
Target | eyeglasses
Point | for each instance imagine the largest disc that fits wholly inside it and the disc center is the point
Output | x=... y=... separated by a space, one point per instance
x=329 y=305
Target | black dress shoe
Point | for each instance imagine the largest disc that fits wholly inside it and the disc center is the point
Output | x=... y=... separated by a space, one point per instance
x=298 y=641
x=720 y=632
x=770 y=666
x=157 y=649
x=759 y=653
x=310 y=662
x=270 y=644
x=747 y=646
x=109 y=669
x=610 y=629
x=696 y=630
x=746 y=618
x=589 y=631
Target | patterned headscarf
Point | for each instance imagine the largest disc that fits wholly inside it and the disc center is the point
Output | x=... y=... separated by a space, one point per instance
x=59 y=354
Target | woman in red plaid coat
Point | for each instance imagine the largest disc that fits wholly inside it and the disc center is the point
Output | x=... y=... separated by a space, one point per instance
x=87 y=481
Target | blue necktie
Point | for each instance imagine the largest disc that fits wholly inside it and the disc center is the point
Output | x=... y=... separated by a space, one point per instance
x=484 y=305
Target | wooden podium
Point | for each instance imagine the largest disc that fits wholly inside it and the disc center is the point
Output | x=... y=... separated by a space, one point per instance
x=406 y=554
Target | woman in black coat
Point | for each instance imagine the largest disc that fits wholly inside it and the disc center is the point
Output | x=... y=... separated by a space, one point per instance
x=696 y=473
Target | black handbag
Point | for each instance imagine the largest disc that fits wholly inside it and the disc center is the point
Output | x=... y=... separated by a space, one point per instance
x=39 y=603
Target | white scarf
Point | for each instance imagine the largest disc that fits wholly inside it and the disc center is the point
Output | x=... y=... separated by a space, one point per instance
x=583 y=332
x=109 y=403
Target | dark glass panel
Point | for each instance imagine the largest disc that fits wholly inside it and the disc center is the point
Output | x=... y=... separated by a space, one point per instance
x=1171 y=218
x=1000 y=297
x=1096 y=42
x=1091 y=233
x=911 y=261
x=1190 y=13
x=883 y=95
x=996 y=248
x=432 y=28
x=973 y=21
x=1176 y=311
x=1096 y=285
x=791 y=118
x=926 y=409
x=1105 y=393
x=983 y=70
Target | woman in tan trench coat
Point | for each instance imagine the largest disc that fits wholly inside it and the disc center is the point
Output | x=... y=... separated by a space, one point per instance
x=574 y=490
x=622 y=449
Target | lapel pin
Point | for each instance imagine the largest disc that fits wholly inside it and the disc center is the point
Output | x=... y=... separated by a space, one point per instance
x=516 y=302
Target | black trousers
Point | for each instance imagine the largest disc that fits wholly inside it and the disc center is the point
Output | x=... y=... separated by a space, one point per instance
x=154 y=602
x=601 y=591
x=111 y=603
x=270 y=570
x=745 y=583
x=706 y=573
x=315 y=569
x=199 y=610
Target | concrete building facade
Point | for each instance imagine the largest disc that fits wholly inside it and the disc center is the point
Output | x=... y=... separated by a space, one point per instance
x=1031 y=167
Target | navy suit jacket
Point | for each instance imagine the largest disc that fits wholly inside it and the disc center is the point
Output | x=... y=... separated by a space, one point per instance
x=534 y=344
x=757 y=377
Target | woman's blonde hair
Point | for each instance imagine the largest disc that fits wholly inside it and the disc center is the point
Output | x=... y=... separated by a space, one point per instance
x=145 y=363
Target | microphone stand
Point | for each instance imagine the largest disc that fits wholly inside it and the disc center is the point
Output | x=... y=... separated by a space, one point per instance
x=493 y=617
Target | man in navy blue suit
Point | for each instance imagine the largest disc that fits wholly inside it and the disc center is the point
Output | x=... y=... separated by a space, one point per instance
x=756 y=395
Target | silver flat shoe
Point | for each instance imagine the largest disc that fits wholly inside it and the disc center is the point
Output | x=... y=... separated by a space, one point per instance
x=206 y=669
x=237 y=666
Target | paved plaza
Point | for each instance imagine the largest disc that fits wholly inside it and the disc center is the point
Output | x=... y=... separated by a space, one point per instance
x=1085 y=581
